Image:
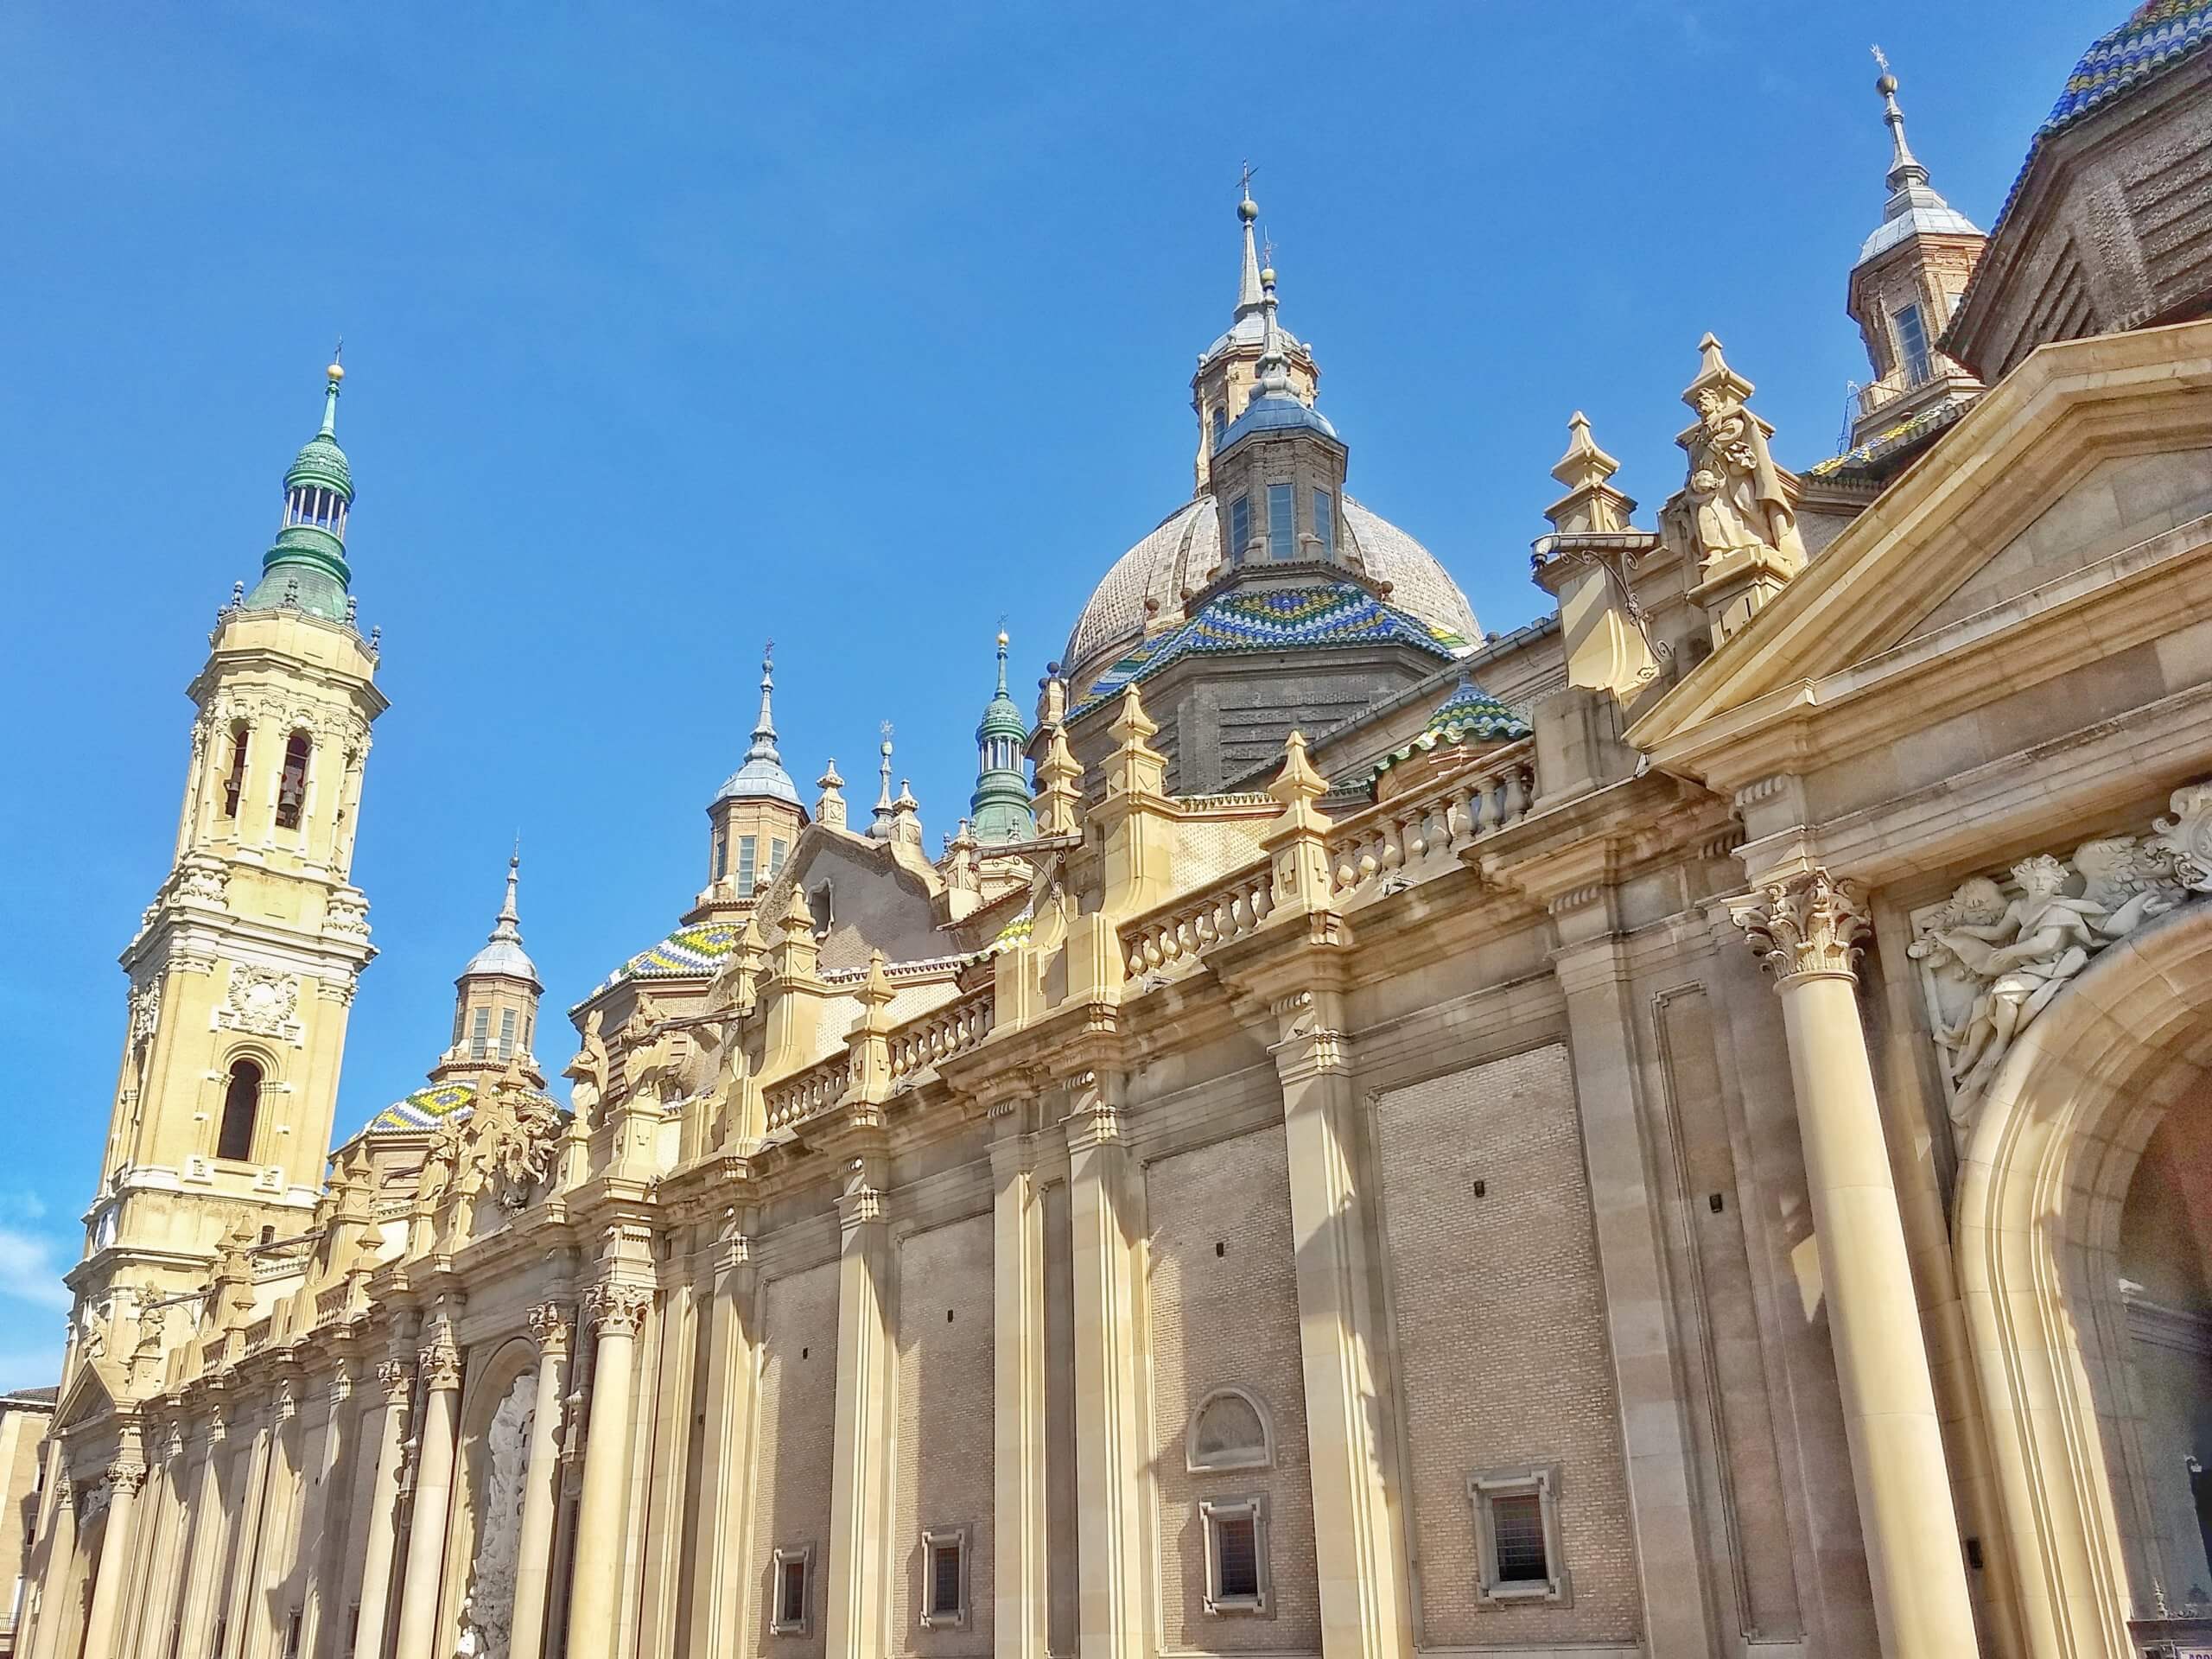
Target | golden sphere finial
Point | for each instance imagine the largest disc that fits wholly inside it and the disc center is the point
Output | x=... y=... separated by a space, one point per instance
x=1003 y=639
x=336 y=372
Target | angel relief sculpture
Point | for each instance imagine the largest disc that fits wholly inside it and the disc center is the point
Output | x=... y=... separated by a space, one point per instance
x=1994 y=964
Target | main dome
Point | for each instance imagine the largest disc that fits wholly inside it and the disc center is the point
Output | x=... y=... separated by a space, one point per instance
x=1149 y=583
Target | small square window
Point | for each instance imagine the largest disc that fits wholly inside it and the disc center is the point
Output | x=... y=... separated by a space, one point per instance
x=1516 y=1528
x=944 y=1579
x=793 y=1577
x=1236 y=1555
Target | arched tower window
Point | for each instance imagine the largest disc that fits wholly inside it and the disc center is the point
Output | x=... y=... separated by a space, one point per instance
x=234 y=780
x=241 y=1105
x=292 y=787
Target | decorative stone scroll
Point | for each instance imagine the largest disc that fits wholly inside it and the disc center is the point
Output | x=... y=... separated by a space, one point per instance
x=1994 y=955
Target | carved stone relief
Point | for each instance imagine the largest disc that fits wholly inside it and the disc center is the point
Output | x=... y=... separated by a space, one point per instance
x=1994 y=955
x=488 y=1615
x=263 y=1001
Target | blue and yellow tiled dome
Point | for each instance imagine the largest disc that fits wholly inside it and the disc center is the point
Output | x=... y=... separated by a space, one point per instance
x=2154 y=37
x=1468 y=715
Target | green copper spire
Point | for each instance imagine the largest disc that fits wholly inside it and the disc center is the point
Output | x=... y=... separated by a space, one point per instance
x=1000 y=806
x=306 y=567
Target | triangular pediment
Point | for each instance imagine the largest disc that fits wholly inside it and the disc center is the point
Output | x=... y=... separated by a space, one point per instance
x=874 y=896
x=2038 y=447
x=88 y=1399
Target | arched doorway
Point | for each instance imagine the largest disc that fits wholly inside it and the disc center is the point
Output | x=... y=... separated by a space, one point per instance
x=2092 y=1144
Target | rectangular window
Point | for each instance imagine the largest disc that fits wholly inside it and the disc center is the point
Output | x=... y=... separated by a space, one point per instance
x=1912 y=344
x=1236 y=1556
x=747 y=848
x=507 y=1033
x=722 y=857
x=480 y=1035
x=1220 y=424
x=292 y=1636
x=1516 y=1526
x=1282 y=544
x=1239 y=528
x=794 y=1582
x=944 y=1579
x=1324 y=521
x=775 y=859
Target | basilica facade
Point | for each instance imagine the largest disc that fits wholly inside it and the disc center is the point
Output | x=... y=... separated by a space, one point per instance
x=1682 y=1128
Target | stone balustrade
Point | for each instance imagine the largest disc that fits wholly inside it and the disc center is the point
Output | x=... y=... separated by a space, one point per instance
x=1424 y=832
x=1175 y=934
x=807 y=1092
x=942 y=1032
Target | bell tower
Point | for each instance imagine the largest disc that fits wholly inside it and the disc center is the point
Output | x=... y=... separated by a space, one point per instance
x=243 y=970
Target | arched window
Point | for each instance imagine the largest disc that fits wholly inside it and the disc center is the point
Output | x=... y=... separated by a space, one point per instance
x=241 y=1105
x=1229 y=1431
x=292 y=787
x=234 y=780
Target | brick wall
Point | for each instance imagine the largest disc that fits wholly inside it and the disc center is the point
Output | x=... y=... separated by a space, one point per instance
x=1222 y=1290
x=1500 y=1334
x=798 y=1418
x=944 y=1427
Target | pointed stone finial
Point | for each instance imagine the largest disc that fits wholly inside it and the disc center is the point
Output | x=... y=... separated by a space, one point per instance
x=829 y=805
x=1132 y=725
x=1058 y=775
x=1590 y=503
x=1248 y=282
x=875 y=989
x=880 y=825
x=1584 y=465
x=798 y=916
x=1296 y=839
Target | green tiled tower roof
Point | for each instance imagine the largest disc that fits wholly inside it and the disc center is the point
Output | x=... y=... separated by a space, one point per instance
x=307 y=565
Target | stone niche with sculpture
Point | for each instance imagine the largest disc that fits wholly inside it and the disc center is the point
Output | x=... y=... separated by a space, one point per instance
x=1996 y=954
x=500 y=1464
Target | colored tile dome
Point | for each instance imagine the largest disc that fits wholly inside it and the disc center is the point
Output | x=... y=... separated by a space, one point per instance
x=1179 y=556
x=2155 y=37
x=321 y=465
x=1469 y=714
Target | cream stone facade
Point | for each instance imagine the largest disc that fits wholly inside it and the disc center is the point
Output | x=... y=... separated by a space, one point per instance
x=1682 y=1130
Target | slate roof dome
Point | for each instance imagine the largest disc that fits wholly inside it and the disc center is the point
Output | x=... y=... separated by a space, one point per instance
x=762 y=778
x=502 y=952
x=1179 y=557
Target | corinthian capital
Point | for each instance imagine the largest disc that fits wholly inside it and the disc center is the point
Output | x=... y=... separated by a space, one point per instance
x=394 y=1378
x=440 y=1363
x=1811 y=922
x=617 y=1310
x=549 y=1324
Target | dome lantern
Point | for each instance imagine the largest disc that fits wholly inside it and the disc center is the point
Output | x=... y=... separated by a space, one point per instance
x=306 y=568
x=1000 y=807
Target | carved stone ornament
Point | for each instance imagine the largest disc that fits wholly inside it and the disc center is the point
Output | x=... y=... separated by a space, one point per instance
x=127 y=1477
x=263 y=1001
x=440 y=1365
x=347 y=912
x=145 y=1010
x=617 y=1309
x=393 y=1377
x=552 y=1329
x=1808 y=924
x=1996 y=953
x=201 y=880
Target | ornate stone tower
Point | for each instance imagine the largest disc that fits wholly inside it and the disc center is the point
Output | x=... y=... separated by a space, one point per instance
x=1229 y=369
x=1904 y=286
x=243 y=971
x=495 y=1005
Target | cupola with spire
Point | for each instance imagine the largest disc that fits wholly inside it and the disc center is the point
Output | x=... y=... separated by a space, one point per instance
x=753 y=819
x=1279 y=466
x=999 y=810
x=495 y=1003
x=1904 y=286
x=1229 y=369
x=306 y=567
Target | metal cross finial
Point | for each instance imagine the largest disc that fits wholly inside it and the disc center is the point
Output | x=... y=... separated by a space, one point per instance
x=338 y=352
x=1882 y=58
x=1246 y=182
x=1267 y=250
x=886 y=731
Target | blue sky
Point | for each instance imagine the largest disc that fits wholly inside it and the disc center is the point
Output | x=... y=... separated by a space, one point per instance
x=669 y=329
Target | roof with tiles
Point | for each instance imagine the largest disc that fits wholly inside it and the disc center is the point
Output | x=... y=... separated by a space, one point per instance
x=2157 y=36
x=1277 y=619
x=427 y=1108
x=1469 y=714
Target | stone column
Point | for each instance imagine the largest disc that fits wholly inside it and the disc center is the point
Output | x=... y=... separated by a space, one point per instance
x=253 y=1492
x=859 y=1477
x=732 y=1343
x=170 y=1526
x=1807 y=928
x=549 y=1324
x=395 y=1378
x=61 y=1562
x=312 y=1557
x=1110 y=1449
x=617 y=1311
x=1018 y=1619
x=1358 y=1549
x=117 y=1542
x=266 y=1608
x=1678 y=1603
x=424 y=1583
x=210 y=1530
